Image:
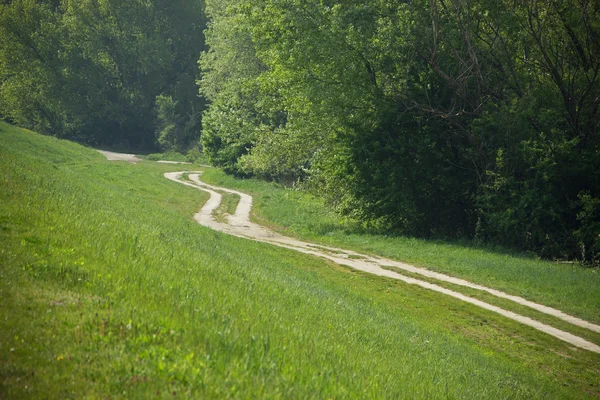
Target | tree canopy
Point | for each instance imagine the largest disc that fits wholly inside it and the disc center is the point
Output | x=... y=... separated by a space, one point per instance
x=92 y=70
x=451 y=118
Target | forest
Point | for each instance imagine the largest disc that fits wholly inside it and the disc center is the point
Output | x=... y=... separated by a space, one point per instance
x=452 y=119
x=103 y=72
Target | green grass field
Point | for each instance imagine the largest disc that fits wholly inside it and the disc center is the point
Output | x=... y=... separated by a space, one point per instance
x=108 y=288
x=568 y=287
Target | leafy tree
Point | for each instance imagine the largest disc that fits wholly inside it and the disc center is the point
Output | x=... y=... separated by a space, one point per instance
x=91 y=70
x=472 y=118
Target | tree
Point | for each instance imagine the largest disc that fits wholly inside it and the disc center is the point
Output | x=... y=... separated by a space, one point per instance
x=91 y=70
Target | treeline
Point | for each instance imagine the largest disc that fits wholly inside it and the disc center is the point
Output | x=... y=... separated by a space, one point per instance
x=447 y=118
x=105 y=72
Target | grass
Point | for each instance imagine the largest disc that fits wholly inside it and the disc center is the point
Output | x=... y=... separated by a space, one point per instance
x=108 y=288
x=509 y=305
x=194 y=156
x=568 y=287
x=229 y=202
x=168 y=156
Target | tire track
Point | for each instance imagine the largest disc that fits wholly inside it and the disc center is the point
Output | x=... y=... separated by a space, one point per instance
x=239 y=224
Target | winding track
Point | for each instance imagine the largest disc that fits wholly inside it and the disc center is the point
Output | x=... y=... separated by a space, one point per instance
x=239 y=224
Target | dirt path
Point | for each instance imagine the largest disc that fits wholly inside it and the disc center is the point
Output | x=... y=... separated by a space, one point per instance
x=240 y=225
x=111 y=156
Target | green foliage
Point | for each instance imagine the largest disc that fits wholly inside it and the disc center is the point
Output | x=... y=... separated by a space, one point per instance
x=154 y=157
x=452 y=119
x=194 y=155
x=588 y=236
x=168 y=132
x=175 y=132
x=91 y=70
x=230 y=68
x=167 y=156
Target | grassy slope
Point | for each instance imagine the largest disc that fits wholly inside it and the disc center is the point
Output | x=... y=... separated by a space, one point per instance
x=108 y=288
x=567 y=287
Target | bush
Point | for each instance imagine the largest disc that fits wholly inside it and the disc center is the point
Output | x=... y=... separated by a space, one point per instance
x=154 y=157
x=194 y=155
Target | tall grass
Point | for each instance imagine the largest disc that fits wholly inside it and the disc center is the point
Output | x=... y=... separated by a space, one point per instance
x=110 y=289
x=568 y=287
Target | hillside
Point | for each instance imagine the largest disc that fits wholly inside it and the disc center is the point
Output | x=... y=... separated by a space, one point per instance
x=110 y=289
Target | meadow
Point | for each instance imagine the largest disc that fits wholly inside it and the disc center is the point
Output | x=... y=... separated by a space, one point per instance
x=567 y=286
x=108 y=288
